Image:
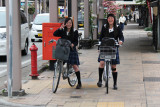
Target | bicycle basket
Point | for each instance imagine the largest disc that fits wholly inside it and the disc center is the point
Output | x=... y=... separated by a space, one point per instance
x=107 y=48
x=107 y=52
x=62 y=49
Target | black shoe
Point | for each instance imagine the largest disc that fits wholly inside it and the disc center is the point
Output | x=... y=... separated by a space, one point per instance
x=79 y=86
x=115 y=87
x=99 y=84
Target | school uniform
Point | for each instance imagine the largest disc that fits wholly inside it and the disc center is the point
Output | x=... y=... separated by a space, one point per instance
x=118 y=37
x=73 y=56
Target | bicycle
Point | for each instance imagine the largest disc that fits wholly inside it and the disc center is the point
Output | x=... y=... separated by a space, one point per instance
x=108 y=51
x=67 y=73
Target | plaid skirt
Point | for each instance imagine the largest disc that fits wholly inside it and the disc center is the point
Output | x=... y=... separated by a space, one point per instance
x=73 y=58
x=113 y=61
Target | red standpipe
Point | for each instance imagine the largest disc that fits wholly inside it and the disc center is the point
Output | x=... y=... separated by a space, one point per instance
x=34 y=72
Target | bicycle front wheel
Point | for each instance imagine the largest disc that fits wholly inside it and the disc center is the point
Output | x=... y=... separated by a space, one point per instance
x=72 y=78
x=107 y=75
x=56 y=76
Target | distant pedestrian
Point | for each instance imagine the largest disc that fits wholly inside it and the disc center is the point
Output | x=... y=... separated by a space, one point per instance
x=66 y=31
x=110 y=30
x=130 y=17
x=134 y=17
x=122 y=20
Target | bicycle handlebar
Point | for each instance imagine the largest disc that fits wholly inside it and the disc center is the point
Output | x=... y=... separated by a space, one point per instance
x=116 y=44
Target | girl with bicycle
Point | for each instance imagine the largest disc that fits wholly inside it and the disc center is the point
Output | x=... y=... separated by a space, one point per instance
x=110 y=30
x=66 y=31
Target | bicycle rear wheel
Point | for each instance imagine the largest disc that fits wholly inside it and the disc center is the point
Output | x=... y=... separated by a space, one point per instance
x=72 y=78
x=57 y=76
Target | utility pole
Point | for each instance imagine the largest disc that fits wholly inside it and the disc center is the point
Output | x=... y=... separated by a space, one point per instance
x=158 y=28
x=26 y=9
x=75 y=13
x=53 y=11
x=13 y=49
x=69 y=8
x=86 y=19
x=35 y=4
x=94 y=8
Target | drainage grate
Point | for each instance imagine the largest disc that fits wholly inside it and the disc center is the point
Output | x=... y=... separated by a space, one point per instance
x=150 y=62
x=151 y=79
x=75 y=96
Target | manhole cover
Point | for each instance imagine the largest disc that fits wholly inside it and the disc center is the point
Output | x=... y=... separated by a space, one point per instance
x=151 y=79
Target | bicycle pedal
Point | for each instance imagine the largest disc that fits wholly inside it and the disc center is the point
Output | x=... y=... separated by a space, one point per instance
x=64 y=77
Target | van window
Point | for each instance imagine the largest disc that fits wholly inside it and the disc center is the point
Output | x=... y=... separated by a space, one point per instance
x=39 y=19
x=3 y=19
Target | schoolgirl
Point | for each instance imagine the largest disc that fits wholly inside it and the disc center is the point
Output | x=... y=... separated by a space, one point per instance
x=66 y=31
x=110 y=30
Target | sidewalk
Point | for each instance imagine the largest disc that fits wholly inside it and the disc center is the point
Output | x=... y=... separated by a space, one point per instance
x=138 y=80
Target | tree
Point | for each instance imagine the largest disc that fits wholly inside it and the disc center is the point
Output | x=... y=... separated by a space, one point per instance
x=111 y=7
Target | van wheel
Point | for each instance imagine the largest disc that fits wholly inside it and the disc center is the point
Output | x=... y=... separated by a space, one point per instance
x=25 y=51
x=32 y=40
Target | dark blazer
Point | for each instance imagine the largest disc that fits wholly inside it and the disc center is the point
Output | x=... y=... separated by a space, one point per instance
x=118 y=37
x=63 y=34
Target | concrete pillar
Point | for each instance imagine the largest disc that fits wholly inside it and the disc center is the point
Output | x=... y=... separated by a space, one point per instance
x=86 y=19
x=95 y=20
x=40 y=5
x=44 y=6
x=36 y=7
x=75 y=13
x=53 y=10
x=158 y=28
x=101 y=15
x=16 y=50
x=69 y=5
x=0 y=3
x=26 y=8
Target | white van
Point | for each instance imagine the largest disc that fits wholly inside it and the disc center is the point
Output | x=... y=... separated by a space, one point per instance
x=36 y=30
x=24 y=33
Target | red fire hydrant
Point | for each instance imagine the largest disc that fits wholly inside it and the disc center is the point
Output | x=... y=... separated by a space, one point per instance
x=34 y=72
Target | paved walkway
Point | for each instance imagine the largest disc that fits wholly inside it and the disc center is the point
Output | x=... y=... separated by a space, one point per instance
x=138 y=80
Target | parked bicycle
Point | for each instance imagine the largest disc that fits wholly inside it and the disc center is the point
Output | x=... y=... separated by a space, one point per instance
x=66 y=70
x=108 y=50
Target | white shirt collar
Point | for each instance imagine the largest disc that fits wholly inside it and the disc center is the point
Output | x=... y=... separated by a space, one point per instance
x=111 y=30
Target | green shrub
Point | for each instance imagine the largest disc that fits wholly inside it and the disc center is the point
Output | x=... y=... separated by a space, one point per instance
x=148 y=29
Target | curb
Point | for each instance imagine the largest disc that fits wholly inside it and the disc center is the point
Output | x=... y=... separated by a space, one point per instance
x=6 y=103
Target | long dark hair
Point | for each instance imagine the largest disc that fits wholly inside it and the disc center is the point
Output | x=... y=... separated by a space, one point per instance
x=114 y=25
x=65 y=28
